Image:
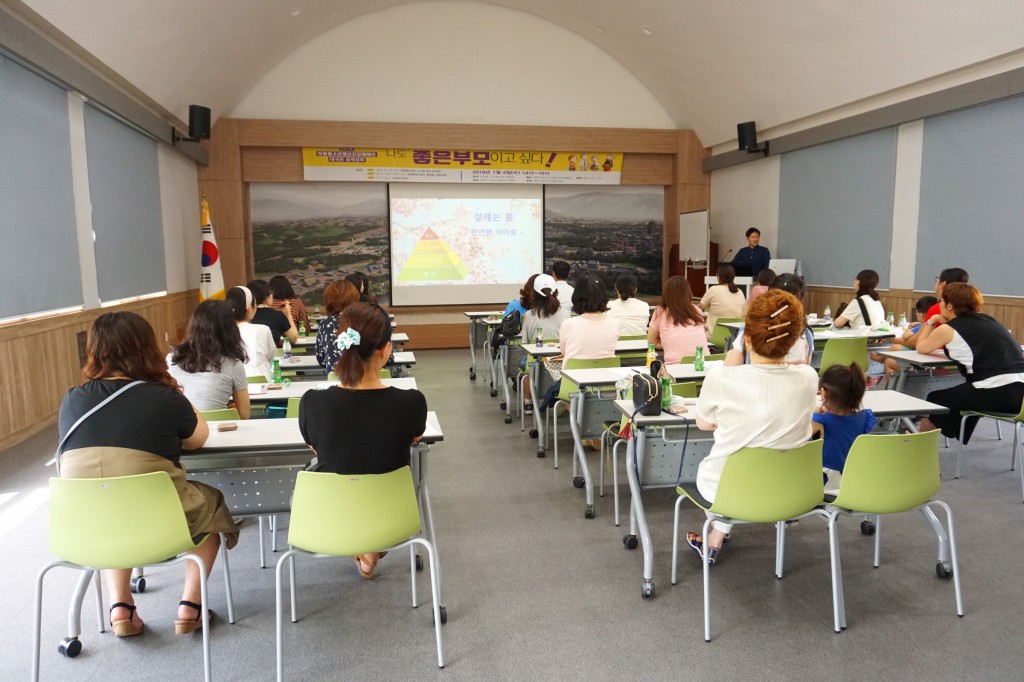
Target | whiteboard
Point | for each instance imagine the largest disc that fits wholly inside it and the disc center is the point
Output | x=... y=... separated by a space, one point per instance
x=694 y=236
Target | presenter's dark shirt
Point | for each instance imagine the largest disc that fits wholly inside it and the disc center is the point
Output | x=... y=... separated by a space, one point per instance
x=362 y=432
x=756 y=259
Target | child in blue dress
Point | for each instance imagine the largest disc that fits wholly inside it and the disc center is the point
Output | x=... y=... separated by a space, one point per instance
x=840 y=419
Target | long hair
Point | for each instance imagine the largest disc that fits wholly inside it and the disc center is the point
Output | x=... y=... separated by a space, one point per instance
x=626 y=285
x=124 y=343
x=340 y=295
x=845 y=386
x=726 y=275
x=281 y=288
x=677 y=300
x=774 y=322
x=545 y=302
x=868 y=280
x=526 y=294
x=589 y=296
x=374 y=327
x=212 y=336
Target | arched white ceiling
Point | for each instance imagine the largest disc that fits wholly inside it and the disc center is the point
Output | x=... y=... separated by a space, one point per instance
x=709 y=63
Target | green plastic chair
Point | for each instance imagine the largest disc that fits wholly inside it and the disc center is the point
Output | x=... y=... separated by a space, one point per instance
x=258 y=379
x=90 y=531
x=719 y=334
x=293 y=408
x=889 y=474
x=711 y=357
x=368 y=513
x=845 y=352
x=567 y=388
x=1000 y=417
x=638 y=357
x=224 y=415
x=758 y=485
x=385 y=374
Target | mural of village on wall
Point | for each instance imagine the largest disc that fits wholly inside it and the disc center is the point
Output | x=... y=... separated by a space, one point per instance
x=316 y=233
x=606 y=231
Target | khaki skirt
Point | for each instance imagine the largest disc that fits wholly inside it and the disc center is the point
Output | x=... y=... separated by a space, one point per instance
x=204 y=506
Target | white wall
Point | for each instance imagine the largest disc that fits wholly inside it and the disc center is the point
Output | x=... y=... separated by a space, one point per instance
x=179 y=206
x=454 y=62
x=745 y=196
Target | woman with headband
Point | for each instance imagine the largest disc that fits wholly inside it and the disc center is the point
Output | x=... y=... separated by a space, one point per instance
x=362 y=426
x=765 y=404
x=257 y=338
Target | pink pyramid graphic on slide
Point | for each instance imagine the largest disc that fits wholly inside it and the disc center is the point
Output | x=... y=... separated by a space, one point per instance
x=432 y=260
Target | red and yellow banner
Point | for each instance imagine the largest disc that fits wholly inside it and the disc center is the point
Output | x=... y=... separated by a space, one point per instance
x=363 y=164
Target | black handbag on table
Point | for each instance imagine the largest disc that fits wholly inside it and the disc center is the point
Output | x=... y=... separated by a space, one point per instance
x=647 y=392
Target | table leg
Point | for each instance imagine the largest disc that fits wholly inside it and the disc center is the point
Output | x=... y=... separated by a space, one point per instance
x=538 y=416
x=423 y=493
x=576 y=407
x=503 y=377
x=637 y=511
x=472 y=348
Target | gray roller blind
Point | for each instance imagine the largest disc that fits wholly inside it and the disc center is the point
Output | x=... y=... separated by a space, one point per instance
x=835 y=208
x=124 y=187
x=972 y=197
x=39 y=257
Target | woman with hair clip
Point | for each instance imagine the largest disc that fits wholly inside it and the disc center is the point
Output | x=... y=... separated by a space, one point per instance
x=677 y=325
x=362 y=426
x=210 y=363
x=256 y=338
x=632 y=313
x=724 y=299
x=143 y=431
x=865 y=309
x=986 y=354
x=802 y=351
x=767 y=403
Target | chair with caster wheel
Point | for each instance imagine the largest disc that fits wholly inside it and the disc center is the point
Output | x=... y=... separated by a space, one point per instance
x=1015 y=419
x=891 y=474
x=370 y=513
x=758 y=485
x=89 y=531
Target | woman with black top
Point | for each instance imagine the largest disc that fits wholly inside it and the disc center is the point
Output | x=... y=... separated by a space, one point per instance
x=362 y=426
x=986 y=354
x=142 y=431
x=280 y=323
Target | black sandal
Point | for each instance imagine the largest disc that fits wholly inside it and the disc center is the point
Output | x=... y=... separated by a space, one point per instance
x=184 y=626
x=126 y=627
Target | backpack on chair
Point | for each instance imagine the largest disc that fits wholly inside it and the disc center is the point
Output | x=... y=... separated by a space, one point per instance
x=509 y=328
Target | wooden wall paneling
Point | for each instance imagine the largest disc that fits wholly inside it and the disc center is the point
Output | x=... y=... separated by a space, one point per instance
x=235 y=261
x=224 y=152
x=272 y=164
x=227 y=209
x=647 y=169
x=281 y=133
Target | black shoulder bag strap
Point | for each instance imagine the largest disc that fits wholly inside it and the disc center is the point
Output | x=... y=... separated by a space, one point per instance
x=864 y=311
x=60 y=446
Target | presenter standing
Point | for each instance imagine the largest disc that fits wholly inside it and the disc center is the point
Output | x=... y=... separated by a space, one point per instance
x=753 y=256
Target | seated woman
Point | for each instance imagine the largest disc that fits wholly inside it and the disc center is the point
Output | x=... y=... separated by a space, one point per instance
x=724 y=299
x=591 y=335
x=524 y=301
x=142 y=431
x=767 y=403
x=986 y=354
x=362 y=426
x=256 y=338
x=921 y=307
x=361 y=282
x=802 y=351
x=632 y=313
x=677 y=324
x=337 y=296
x=280 y=323
x=285 y=299
x=865 y=309
x=546 y=315
x=209 y=364
x=764 y=281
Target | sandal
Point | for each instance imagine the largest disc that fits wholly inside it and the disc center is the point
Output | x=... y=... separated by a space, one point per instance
x=184 y=626
x=361 y=560
x=126 y=627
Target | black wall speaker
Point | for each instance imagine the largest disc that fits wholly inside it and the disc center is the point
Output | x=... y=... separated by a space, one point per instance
x=199 y=122
x=747 y=134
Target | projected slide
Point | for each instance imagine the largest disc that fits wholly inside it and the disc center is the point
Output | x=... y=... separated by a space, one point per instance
x=453 y=244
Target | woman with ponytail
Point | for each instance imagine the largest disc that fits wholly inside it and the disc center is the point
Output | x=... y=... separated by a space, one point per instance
x=362 y=426
x=725 y=299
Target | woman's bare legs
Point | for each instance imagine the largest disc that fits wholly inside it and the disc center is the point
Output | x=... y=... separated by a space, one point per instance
x=193 y=592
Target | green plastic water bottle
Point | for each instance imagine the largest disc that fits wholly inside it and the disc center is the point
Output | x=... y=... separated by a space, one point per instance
x=666 y=393
x=277 y=371
x=698 y=359
x=302 y=327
